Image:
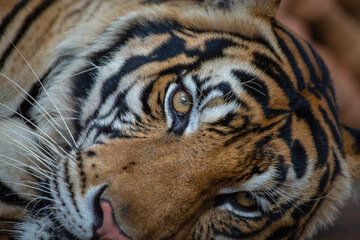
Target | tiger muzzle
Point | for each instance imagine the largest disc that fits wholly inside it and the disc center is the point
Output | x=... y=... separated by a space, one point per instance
x=151 y=193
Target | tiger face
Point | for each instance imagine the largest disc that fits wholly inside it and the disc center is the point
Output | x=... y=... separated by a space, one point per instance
x=187 y=121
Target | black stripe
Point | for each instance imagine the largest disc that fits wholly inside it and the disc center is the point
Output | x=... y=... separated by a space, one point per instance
x=298 y=158
x=225 y=122
x=334 y=128
x=293 y=62
x=223 y=87
x=337 y=167
x=255 y=87
x=319 y=85
x=332 y=104
x=258 y=40
x=173 y=47
x=82 y=175
x=305 y=57
x=199 y=86
x=7 y=195
x=281 y=171
x=57 y=233
x=327 y=83
x=70 y=186
x=119 y=105
x=247 y=128
x=145 y=94
x=321 y=65
x=309 y=208
x=169 y=49
x=26 y=25
x=236 y=232
x=275 y=215
x=8 y=222
x=304 y=111
x=10 y=16
x=57 y=191
x=299 y=105
x=195 y=234
x=24 y=108
x=258 y=90
x=282 y=232
x=278 y=75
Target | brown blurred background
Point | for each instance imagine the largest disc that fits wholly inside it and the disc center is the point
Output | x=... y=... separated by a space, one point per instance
x=333 y=28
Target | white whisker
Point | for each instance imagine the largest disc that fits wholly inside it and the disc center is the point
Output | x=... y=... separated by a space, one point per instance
x=44 y=89
x=36 y=198
x=36 y=148
x=42 y=111
x=29 y=184
x=7 y=222
x=87 y=70
x=310 y=199
x=288 y=197
x=251 y=81
x=31 y=152
x=253 y=88
x=38 y=170
x=32 y=124
x=7 y=230
x=49 y=145
x=39 y=211
x=267 y=192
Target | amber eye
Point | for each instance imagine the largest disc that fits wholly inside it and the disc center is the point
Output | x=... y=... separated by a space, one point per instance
x=181 y=102
x=245 y=199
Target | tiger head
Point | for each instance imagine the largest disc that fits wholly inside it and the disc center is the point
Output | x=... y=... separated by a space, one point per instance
x=192 y=121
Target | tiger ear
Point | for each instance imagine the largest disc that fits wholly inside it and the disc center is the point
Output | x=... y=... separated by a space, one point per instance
x=265 y=8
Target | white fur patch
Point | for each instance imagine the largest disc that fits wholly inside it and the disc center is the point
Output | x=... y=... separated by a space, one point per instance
x=259 y=181
x=18 y=153
x=133 y=99
x=35 y=228
x=214 y=114
x=230 y=208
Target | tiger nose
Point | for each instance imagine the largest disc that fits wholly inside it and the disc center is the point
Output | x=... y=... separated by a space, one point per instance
x=98 y=212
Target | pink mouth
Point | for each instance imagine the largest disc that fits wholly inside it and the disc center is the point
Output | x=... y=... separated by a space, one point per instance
x=109 y=229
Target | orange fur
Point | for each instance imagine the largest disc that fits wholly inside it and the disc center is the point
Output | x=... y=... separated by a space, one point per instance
x=165 y=185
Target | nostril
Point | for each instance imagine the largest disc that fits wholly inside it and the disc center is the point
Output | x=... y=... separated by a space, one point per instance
x=98 y=213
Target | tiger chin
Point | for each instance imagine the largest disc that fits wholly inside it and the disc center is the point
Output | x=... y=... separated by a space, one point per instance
x=178 y=120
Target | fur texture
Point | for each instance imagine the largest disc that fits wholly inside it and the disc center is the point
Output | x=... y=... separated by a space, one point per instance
x=88 y=104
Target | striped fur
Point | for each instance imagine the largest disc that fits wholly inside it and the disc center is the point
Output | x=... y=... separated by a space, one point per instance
x=87 y=94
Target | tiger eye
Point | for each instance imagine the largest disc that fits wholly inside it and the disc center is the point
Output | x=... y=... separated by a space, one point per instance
x=181 y=102
x=245 y=199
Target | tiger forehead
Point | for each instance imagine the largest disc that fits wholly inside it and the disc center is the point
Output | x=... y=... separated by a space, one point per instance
x=188 y=39
x=165 y=50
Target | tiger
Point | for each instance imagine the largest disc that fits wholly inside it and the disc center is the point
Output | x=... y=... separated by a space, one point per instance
x=166 y=119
